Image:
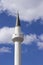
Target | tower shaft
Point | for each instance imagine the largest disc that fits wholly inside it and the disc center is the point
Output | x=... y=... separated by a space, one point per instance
x=17 y=53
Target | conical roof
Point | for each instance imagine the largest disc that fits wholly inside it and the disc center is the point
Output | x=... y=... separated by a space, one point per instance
x=17 y=20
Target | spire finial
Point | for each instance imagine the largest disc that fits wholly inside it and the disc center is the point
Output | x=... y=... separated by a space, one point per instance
x=17 y=20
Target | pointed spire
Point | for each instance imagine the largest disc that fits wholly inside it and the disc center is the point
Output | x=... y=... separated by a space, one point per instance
x=17 y=20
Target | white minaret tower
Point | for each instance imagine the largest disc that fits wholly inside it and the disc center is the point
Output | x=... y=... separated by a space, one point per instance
x=17 y=39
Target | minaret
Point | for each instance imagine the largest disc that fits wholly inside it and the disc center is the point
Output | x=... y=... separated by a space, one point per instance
x=17 y=39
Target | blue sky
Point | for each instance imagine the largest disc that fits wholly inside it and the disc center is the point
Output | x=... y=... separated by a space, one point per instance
x=31 y=19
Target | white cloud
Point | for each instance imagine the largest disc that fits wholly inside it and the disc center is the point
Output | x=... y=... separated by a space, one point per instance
x=41 y=37
x=6 y=37
x=28 y=9
x=38 y=39
x=28 y=39
x=40 y=42
x=5 y=50
x=40 y=45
